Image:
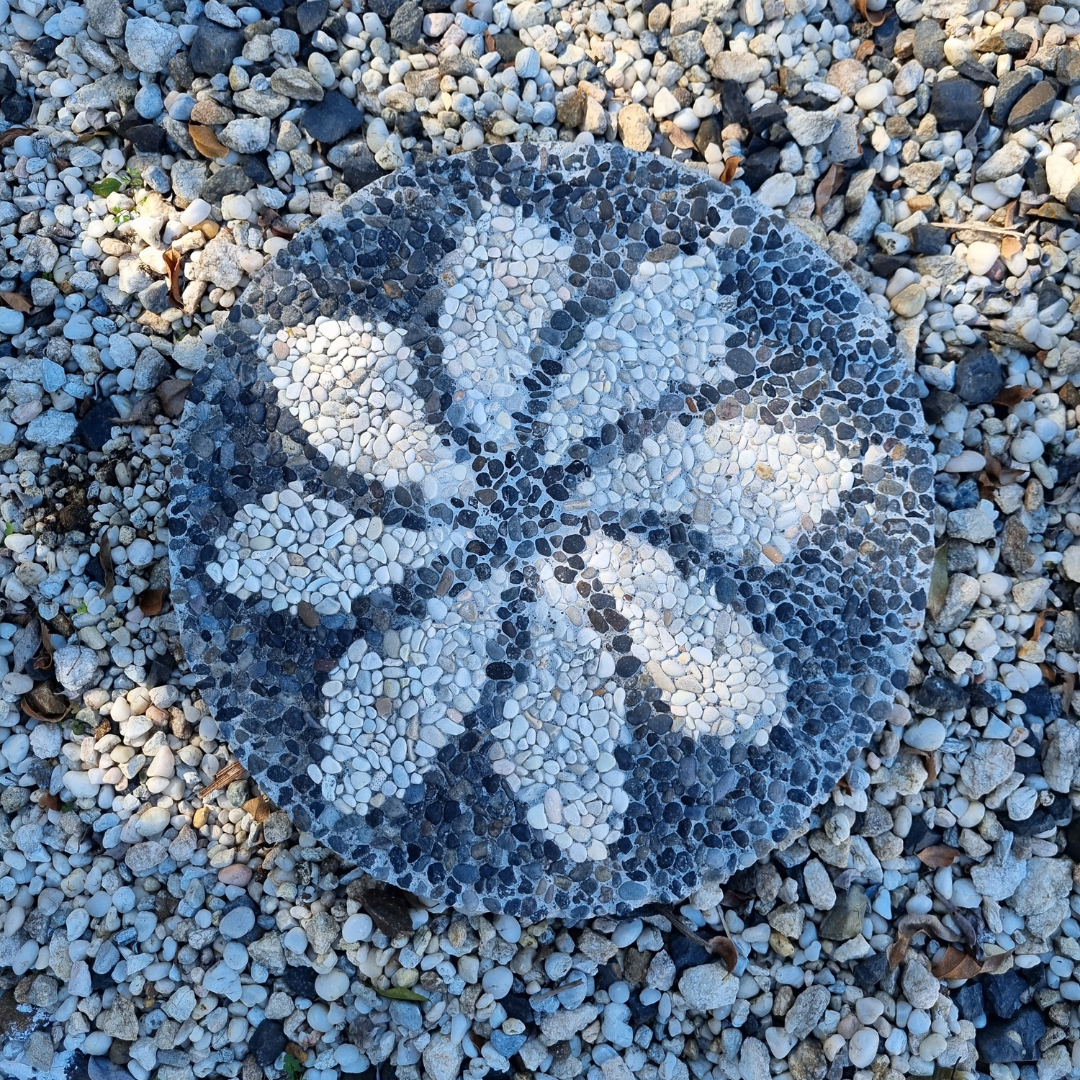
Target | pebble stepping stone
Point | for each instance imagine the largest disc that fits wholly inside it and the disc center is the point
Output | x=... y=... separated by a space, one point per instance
x=551 y=528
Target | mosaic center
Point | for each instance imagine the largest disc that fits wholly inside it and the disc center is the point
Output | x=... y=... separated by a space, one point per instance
x=551 y=529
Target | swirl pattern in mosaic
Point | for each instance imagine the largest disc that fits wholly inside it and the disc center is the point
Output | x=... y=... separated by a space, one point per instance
x=550 y=529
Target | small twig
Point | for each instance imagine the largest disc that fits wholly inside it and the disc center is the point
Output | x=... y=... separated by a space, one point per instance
x=723 y=921
x=683 y=926
x=225 y=776
x=973 y=226
x=545 y=994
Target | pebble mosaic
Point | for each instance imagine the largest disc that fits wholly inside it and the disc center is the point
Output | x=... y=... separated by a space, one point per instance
x=551 y=529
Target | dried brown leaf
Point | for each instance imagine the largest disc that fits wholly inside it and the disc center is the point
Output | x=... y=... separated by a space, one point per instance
x=46 y=641
x=9 y=136
x=142 y=412
x=828 y=186
x=938 y=855
x=44 y=704
x=897 y=951
x=930 y=760
x=874 y=18
x=910 y=925
x=731 y=167
x=996 y=475
x=260 y=808
x=172 y=394
x=206 y=142
x=16 y=301
x=956 y=965
x=106 y=561
x=939 y=582
x=1013 y=395
x=965 y=923
x=172 y=260
x=864 y=51
x=681 y=140
x=1010 y=246
x=152 y=601
x=723 y=947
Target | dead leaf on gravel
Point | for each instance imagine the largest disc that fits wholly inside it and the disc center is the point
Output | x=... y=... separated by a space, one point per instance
x=1011 y=396
x=9 y=136
x=995 y=474
x=172 y=394
x=44 y=704
x=956 y=965
x=143 y=411
x=959 y=965
x=1010 y=246
x=874 y=18
x=723 y=947
x=864 y=51
x=938 y=855
x=828 y=186
x=939 y=582
x=896 y=952
x=106 y=561
x=152 y=601
x=172 y=260
x=45 y=661
x=206 y=142
x=16 y=301
x=731 y=167
x=910 y=925
x=681 y=140
x=930 y=760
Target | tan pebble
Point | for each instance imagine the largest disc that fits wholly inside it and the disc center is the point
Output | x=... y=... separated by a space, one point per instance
x=236 y=874
x=908 y=302
x=308 y=615
x=772 y=554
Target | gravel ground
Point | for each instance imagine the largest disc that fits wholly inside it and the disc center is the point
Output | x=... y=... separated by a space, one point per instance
x=160 y=918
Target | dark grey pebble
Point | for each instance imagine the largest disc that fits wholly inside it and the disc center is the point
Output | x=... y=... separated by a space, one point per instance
x=332 y=119
x=978 y=376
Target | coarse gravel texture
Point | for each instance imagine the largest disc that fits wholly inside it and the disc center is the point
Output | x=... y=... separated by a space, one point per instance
x=125 y=947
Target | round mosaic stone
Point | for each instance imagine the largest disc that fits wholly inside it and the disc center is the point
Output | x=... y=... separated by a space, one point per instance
x=551 y=529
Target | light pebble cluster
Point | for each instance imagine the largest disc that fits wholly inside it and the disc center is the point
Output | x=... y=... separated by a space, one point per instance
x=750 y=491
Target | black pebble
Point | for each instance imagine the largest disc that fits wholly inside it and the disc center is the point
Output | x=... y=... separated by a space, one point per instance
x=978 y=376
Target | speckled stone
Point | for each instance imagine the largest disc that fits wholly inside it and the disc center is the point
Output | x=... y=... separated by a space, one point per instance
x=805 y=357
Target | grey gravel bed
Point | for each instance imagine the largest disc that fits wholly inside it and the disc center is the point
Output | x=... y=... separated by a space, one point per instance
x=155 y=925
